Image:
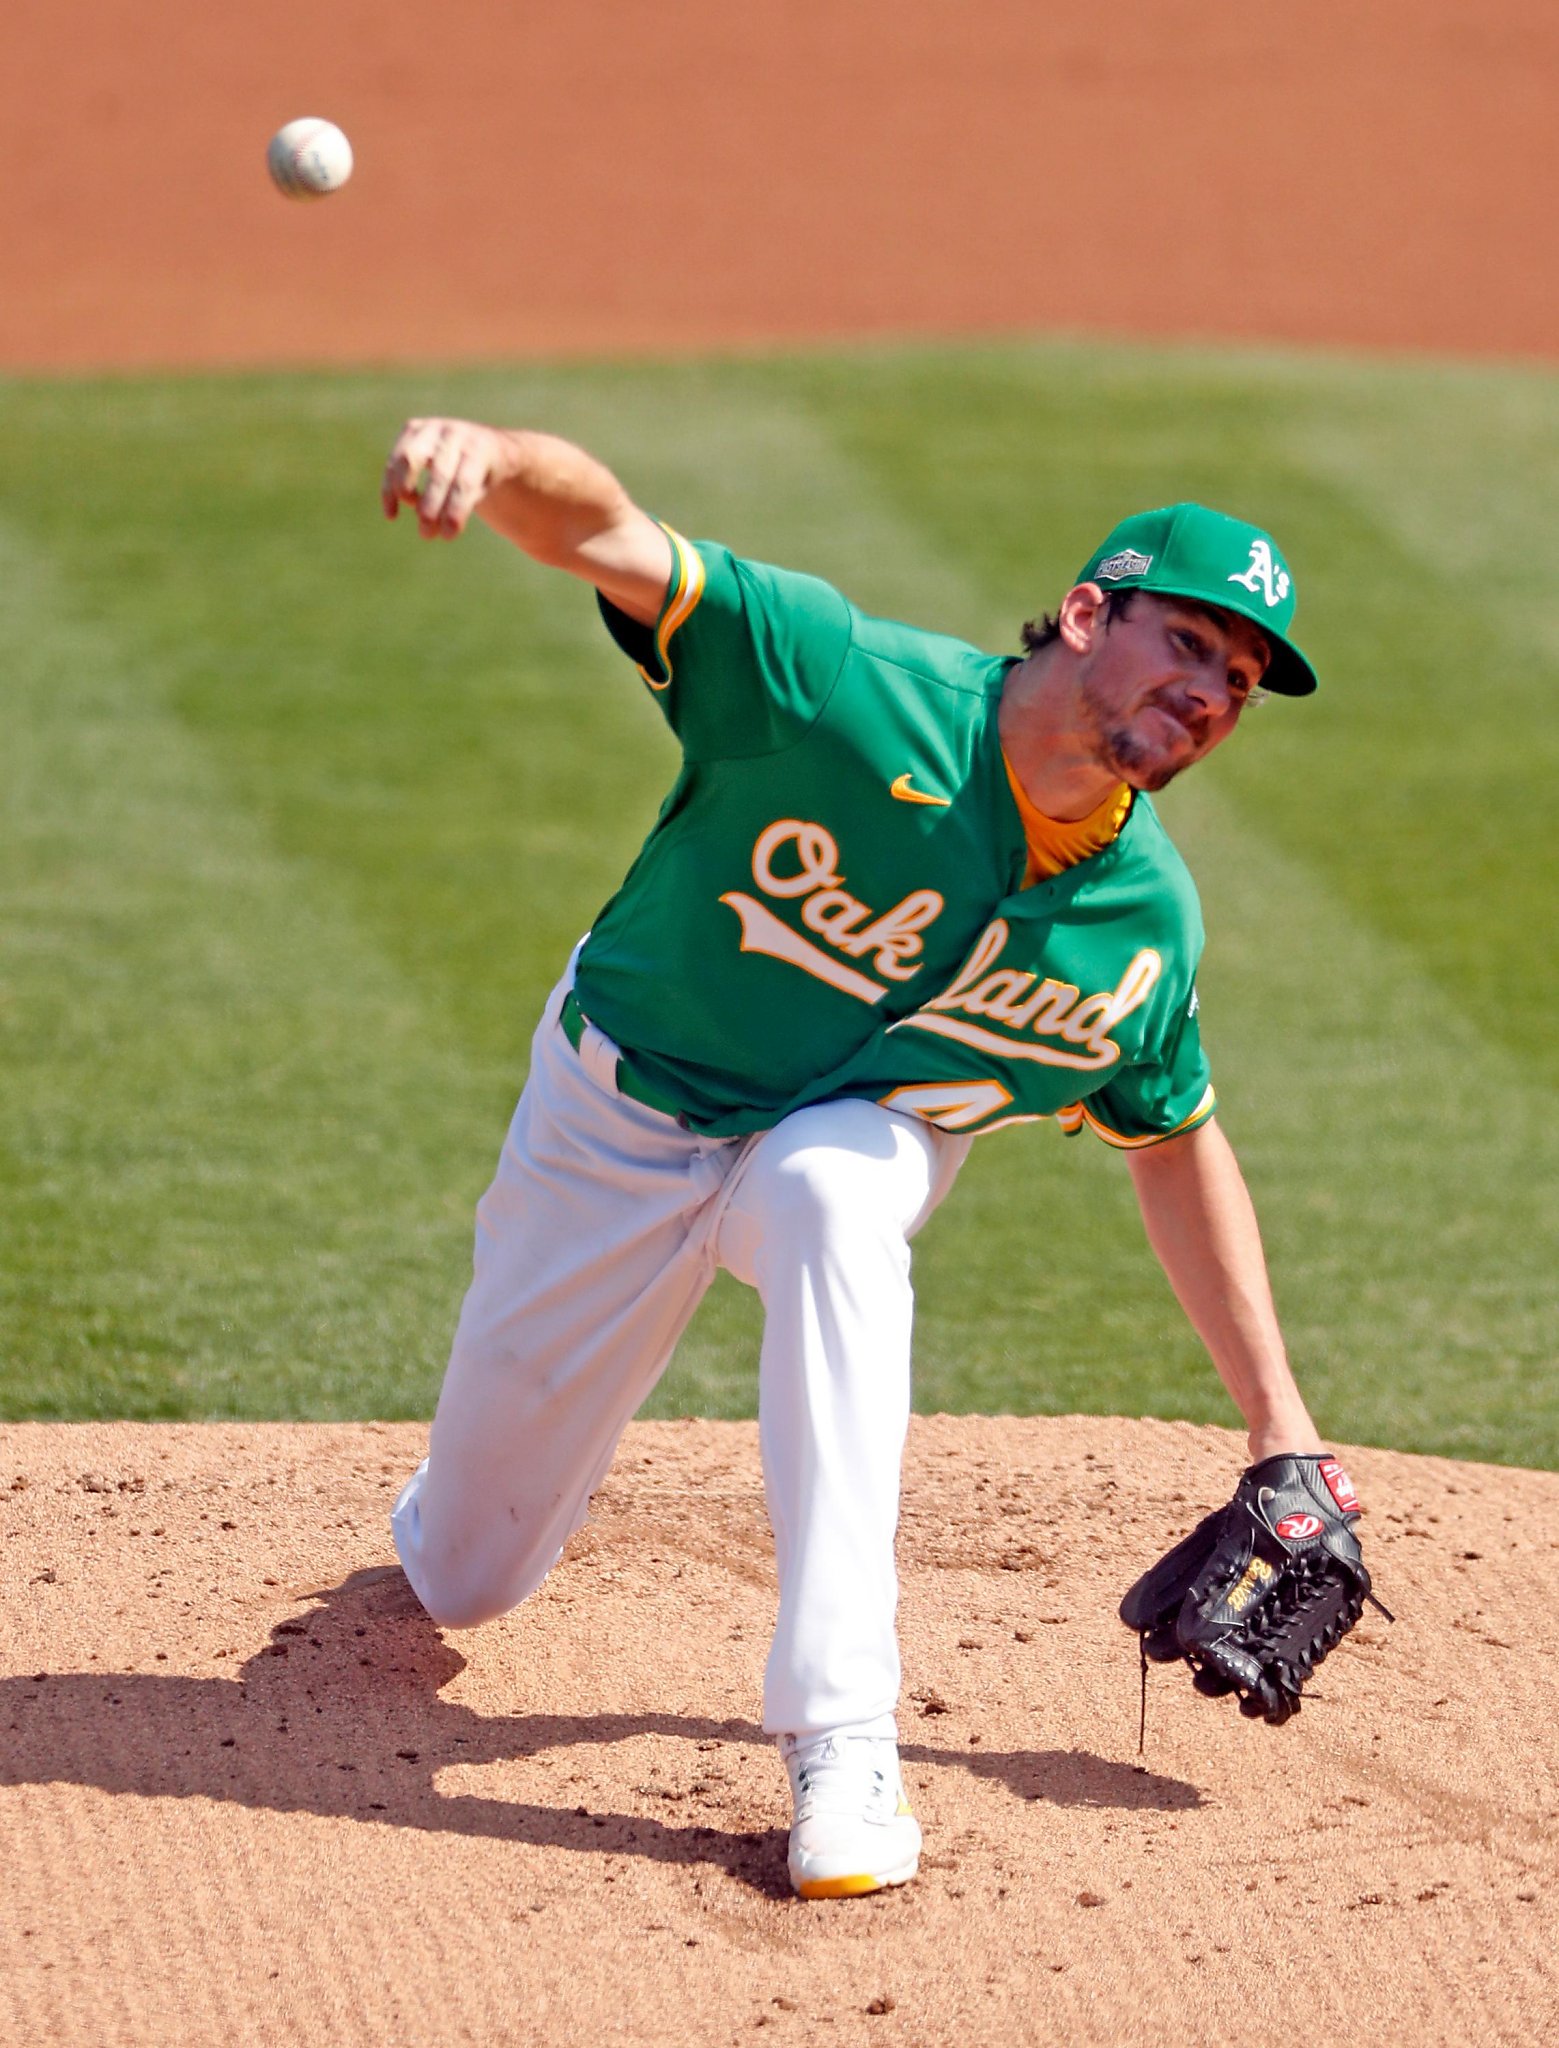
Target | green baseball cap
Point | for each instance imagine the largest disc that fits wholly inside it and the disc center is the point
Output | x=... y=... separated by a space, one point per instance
x=1191 y=551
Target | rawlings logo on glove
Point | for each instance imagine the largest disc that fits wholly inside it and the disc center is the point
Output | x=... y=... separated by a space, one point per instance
x=1261 y=1590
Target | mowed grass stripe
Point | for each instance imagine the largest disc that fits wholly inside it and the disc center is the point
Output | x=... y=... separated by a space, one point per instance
x=236 y=1160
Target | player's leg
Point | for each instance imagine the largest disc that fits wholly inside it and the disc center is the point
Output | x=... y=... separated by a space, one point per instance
x=592 y=1250
x=819 y=1219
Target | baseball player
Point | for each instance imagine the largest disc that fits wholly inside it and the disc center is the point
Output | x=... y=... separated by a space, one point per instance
x=901 y=892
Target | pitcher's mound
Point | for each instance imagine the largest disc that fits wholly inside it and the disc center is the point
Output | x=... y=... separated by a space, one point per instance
x=249 y=1793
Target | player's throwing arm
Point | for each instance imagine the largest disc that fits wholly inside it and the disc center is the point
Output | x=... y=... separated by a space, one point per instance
x=558 y=504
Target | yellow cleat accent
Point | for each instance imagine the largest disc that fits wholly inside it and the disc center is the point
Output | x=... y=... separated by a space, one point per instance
x=838 y=1887
x=853 y=1831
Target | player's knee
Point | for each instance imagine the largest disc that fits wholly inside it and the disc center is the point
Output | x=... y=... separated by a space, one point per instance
x=819 y=1195
x=461 y=1579
x=452 y=1605
x=463 y=1603
x=466 y=1593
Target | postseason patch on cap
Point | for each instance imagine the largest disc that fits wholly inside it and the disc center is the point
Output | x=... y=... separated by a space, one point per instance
x=1127 y=563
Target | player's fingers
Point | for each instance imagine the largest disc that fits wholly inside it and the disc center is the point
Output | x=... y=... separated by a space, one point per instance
x=402 y=463
x=407 y=460
x=466 y=487
x=433 y=489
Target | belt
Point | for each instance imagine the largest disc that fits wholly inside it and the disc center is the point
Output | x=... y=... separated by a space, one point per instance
x=574 y=1022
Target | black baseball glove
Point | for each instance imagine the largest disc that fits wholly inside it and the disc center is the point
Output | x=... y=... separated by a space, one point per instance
x=1261 y=1590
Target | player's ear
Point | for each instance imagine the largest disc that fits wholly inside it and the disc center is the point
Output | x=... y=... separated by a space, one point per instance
x=1081 y=617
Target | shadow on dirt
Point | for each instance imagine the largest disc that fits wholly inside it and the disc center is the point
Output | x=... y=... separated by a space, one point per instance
x=340 y=1714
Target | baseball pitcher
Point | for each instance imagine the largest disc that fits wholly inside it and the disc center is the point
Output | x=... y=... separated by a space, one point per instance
x=901 y=892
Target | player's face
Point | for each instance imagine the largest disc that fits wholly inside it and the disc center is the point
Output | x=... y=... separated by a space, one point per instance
x=1165 y=684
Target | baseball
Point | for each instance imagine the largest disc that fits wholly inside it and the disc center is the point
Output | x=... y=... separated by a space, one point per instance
x=309 y=159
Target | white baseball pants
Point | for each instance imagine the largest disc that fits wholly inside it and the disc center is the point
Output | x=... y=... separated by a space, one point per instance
x=594 y=1245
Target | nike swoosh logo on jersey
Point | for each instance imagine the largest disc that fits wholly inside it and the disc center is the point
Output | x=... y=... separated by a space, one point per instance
x=901 y=789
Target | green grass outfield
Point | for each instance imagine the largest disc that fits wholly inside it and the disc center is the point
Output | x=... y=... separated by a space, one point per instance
x=301 y=816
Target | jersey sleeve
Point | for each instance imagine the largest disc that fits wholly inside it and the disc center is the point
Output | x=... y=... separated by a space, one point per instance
x=1152 y=1100
x=743 y=657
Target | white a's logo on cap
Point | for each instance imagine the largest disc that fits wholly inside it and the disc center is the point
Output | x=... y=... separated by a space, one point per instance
x=1127 y=563
x=1263 y=574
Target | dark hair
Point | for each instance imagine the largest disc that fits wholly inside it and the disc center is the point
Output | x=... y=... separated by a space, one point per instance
x=1038 y=633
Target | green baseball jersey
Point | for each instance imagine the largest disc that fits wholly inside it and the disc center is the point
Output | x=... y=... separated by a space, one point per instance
x=838 y=856
x=1077 y=1001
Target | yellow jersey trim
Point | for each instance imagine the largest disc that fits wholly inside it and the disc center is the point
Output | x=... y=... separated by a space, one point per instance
x=1122 y=1143
x=687 y=587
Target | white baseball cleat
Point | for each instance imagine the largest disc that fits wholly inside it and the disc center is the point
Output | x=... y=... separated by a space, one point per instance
x=853 y=1831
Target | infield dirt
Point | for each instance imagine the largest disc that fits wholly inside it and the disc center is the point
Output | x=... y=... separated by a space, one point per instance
x=249 y=1792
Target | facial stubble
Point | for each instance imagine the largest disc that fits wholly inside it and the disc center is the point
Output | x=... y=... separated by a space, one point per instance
x=1120 y=750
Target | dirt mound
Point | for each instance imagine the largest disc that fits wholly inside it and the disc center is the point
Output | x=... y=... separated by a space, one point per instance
x=249 y=1792
x=613 y=177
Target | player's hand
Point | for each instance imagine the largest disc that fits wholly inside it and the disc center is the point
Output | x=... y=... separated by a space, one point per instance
x=443 y=469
